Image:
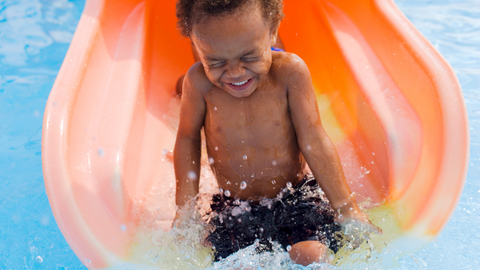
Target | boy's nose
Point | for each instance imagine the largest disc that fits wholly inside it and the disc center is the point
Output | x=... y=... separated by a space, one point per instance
x=235 y=70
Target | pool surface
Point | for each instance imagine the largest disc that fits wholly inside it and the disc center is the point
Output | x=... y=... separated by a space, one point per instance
x=34 y=38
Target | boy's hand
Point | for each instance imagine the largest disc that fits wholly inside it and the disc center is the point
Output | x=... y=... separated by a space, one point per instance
x=183 y=217
x=356 y=226
x=357 y=218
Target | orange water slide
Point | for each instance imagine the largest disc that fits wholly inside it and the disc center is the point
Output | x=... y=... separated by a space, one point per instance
x=389 y=101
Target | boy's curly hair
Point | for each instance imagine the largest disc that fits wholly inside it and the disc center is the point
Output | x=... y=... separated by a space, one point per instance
x=190 y=12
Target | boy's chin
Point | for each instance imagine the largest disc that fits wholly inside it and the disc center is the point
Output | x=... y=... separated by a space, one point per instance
x=240 y=94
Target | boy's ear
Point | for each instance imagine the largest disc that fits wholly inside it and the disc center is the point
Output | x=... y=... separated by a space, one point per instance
x=274 y=34
x=274 y=38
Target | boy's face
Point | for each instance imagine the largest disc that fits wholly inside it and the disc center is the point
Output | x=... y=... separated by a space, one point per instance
x=235 y=50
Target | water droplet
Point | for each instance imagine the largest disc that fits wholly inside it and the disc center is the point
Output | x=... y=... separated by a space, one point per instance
x=373 y=154
x=228 y=182
x=274 y=182
x=243 y=185
x=88 y=261
x=192 y=175
x=215 y=108
x=245 y=157
x=253 y=175
x=239 y=220
x=123 y=227
x=211 y=161
x=274 y=163
x=227 y=193
x=216 y=148
x=309 y=147
x=289 y=248
x=372 y=162
x=39 y=259
x=289 y=185
x=101 y=152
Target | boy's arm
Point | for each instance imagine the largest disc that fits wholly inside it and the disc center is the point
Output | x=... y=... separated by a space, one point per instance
x=187 y=152
x=316 y=146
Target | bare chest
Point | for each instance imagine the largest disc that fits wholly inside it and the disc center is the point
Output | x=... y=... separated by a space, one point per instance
x=252 y=141
x=260 y=120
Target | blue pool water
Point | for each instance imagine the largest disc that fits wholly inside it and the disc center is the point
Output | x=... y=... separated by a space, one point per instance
x=34 y=37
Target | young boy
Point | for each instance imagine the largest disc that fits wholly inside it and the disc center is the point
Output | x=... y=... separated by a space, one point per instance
x=262 y=124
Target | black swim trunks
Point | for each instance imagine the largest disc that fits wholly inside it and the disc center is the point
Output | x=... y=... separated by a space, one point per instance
x=297 y=214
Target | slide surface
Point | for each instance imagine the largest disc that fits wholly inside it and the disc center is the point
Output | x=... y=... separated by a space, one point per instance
x=389 y=101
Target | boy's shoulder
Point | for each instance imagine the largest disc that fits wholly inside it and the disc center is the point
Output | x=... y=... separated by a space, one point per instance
x=289 y=67
x=287 y=58
x=197 y=79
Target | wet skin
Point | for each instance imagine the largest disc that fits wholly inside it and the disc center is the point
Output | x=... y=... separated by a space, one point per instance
x=252 y=139
x=260 y=132
x=272 y=120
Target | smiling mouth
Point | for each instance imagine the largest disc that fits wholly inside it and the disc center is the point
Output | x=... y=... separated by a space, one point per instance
x=240 y=86
x=240 y=83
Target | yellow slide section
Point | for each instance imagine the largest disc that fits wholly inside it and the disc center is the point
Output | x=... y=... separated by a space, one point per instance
x=389 y=101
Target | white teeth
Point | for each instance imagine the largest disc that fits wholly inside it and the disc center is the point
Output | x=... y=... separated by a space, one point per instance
x=240 y=83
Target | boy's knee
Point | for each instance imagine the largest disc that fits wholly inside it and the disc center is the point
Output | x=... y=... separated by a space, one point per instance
x=308 y=252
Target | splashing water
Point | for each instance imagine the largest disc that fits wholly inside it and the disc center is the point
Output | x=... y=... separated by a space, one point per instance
x=180 y=248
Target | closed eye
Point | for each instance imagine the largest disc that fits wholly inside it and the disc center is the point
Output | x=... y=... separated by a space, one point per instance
x=216 y=64
x=250 y=59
